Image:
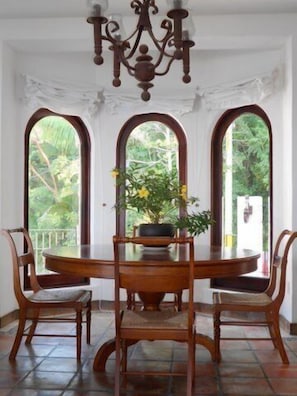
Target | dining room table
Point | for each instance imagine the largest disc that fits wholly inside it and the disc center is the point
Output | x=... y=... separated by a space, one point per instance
x=97 y=261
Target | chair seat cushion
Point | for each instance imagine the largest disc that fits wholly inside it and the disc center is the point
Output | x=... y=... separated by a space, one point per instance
x=155 y=319
x=259 y=299
x=58 y=296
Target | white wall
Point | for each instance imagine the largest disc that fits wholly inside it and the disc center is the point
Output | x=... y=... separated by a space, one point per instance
x=291 y=305
x=274 y=46
x=12 y=138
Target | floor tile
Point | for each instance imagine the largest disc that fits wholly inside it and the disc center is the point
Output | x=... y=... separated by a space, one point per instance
x=49 y=367
x=285 y=386
x=246 y=386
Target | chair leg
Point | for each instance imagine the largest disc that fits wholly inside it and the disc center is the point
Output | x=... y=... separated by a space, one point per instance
x=178 y=301
x=18 y=337
x=78 y=333
x=89 y=314
x=272 y=334
x=278 y=339
x=31 y=331
x=117 y=368
x=124 y=355
x=217 y=335
x=130 y=300
x=33 y=326
x=191 y=367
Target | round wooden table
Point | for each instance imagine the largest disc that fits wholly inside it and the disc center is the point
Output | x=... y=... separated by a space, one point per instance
x=96 y=261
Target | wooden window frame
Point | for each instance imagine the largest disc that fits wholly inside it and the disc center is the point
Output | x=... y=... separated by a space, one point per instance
x=62 y=280
x=243 y=283
x=124 y=134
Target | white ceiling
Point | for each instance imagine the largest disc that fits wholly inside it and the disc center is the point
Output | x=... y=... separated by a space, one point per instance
x=77 y=34
x=56 y=34
x=79 y=8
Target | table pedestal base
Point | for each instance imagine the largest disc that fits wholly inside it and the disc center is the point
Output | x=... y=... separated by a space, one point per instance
x=109 y=347
x=208 y=343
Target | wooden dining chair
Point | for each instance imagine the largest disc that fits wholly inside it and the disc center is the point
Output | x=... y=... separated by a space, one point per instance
x=149 y=277
x=268 y=303
x=42 y=306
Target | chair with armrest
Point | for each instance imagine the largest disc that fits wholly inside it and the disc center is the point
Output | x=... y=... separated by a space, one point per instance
x=41 y=301
x=150 y=277
x=268 y=303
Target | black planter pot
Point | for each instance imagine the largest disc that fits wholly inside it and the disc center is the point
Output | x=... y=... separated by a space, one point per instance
x=161 y=230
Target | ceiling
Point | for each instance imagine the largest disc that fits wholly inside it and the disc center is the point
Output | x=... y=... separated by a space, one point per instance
x=79 y=8
x=76 y=35
x=58 y=35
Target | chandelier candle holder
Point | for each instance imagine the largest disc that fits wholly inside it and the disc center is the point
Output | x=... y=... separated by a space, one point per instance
x=135 y=55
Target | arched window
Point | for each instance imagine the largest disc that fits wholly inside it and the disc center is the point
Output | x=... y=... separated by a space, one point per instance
x=155 y=133
x=242 y=189
x=57 y=187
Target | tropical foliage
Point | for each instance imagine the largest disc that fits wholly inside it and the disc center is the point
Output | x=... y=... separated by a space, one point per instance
x=54 y=161
x=250 y=167
x=152 y=145
x=158 y=196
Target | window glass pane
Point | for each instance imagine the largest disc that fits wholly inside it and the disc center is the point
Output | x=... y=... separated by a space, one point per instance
x=54 y=185
x=151 y=145
x=246 y=187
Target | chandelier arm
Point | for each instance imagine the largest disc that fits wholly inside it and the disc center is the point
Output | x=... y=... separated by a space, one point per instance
x=186 y=65
x=124 y=43
x=166 y=70
x=145 y=24
x=125 y=62
x=119 y=46
x=162 y=50
x=136 y=43
x=118 y=49
x=109 y=30
x=166 y=24
x=161 y=44
x=162 y=56
x=131 y=69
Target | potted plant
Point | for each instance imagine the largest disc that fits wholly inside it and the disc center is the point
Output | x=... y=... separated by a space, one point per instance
x=158 y=196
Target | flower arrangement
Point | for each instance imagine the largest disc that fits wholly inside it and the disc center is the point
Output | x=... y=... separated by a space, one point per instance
x=158 y=196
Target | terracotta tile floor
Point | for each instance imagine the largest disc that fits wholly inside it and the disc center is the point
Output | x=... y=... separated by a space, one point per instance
x=49 y=366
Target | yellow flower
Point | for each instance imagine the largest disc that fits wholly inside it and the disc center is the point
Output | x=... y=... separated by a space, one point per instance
x=143 y=192
x=183 y=192
x=115 y=173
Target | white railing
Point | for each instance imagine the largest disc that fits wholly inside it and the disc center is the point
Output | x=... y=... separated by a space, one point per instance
x=47 y=238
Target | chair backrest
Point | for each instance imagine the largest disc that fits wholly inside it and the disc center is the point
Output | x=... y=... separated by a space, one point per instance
x=149 y=275
x=277 y=285
x=22 y=255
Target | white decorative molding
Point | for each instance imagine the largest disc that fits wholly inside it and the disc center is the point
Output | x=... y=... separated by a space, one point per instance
x=177 y=105
x=69 y=98
x=58 y=96
x=241 y=93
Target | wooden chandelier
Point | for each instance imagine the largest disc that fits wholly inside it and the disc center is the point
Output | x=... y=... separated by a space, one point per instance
x=136 y=56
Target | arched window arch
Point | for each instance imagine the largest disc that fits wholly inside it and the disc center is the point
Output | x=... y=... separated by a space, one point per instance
x=124 y=135
x=57 y=187
x=241 y=167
